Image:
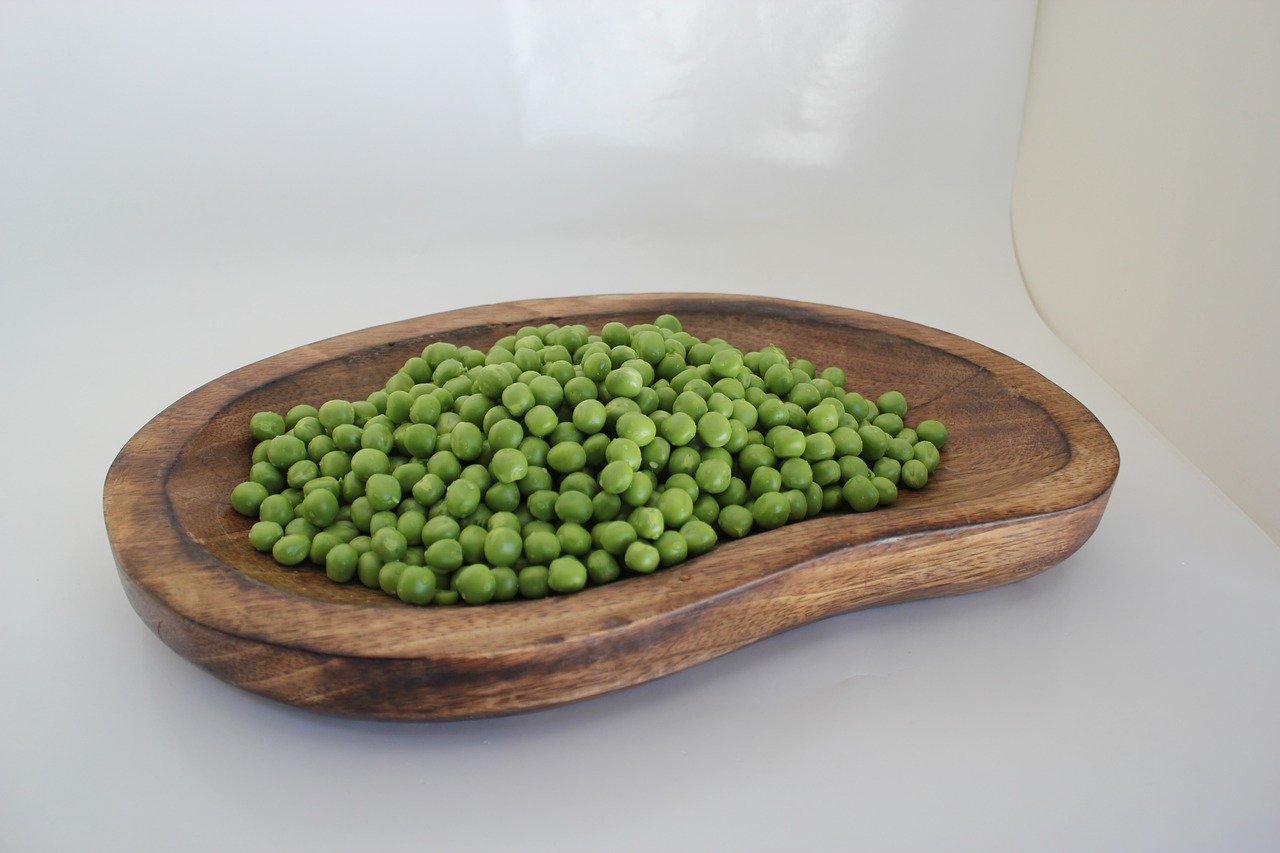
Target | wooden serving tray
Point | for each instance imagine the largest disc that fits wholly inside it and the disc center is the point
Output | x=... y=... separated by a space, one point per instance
x=1023 y=483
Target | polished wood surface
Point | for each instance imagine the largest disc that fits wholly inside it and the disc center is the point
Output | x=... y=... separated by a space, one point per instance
x=1023 y=483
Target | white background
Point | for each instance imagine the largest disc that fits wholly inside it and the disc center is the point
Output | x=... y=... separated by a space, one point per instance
x=185 y=188
x=1146 y=209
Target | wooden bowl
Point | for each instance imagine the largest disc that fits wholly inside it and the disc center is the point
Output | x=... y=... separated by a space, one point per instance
x=1023 y=483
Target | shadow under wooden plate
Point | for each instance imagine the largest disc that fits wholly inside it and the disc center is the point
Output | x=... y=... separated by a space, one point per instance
x=1022 y=484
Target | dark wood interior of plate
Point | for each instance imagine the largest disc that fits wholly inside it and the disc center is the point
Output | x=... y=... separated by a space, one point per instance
x=1022 y=483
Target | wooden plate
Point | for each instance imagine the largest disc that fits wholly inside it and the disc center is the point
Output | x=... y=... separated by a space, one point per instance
x=1023 y=483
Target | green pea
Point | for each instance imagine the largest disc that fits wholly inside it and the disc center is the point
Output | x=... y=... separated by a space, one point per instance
x=475 y=584
x=616 y=477
x=368 y=568
x=887 y=491
x=389 y=543
x=932 y=431
x=532 y=581
x=788 y=443
x=672 y=548
x=264 y=535
x=416 y=585
x=285 y=450
x=247 y=498
x=574 y=538
x=735 y=521
x=276 y=509
x=340 y=562
x=566 y=574
x=713 y=476
x=914 y=474
x=861 y=495
x=823 y=418
x=461 y=498
x=266 y=425
x=642 y=557
x=887 y=468
x=502 y=547
x=320 y=507
x=892 y=402
x=636 y=427
x=291 y=549
x=389 y=576
x=925 y=451
x=875 y=442
x=771 y=510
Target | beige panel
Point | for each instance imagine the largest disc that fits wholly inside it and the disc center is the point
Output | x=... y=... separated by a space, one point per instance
x=1146 y=212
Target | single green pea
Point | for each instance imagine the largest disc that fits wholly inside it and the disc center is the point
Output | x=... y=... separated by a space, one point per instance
x=713 y=476
x=623 y=382
x=266 y=425
x=823 y=418
x=247 y=498
x=368 y=567
x=302 y=472
x=925 y=451
x=264 y=534
x=383 y=492
x=259 y=453
x=642 y=557
x=541 y=420
x=648 y=522
x=503 y=547
x=875 y=442
x=574 y=538
x=475 y=583
x=532 y=581
x=914 y=474
x=615 y=536
x=893 y=402
x=291 y=549
x=541 y=546
x=285 y=450
x=389 y=575
x=771 y=510
x=932 y=431
x=636 y=427
x=887 y=468
x=319 y=446
x=320 y=507
x=853 y=466
x=370 y=461
x=602 y=567
x=890 y=422
x=796 y=473
x=340 y=563
x=672 y=548
x=860 y=494
x=887 y=491
x=377 y=436
x=676 y=506
x=416 y=585
x=389 y=543
x=616 y=477
x=699 y=536
x=566 y=574
x=605 y=507
x=276 y=509
x=735 y=521
x=461 y=498
x=347 y=437
x=787 y=443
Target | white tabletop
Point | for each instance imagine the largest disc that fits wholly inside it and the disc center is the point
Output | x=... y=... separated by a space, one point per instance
x=1126 y=699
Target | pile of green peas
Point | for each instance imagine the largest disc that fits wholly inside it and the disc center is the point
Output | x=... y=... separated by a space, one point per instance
x=560 y=459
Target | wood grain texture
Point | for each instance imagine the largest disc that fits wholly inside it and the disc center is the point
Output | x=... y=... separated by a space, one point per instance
x=1022 y=484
